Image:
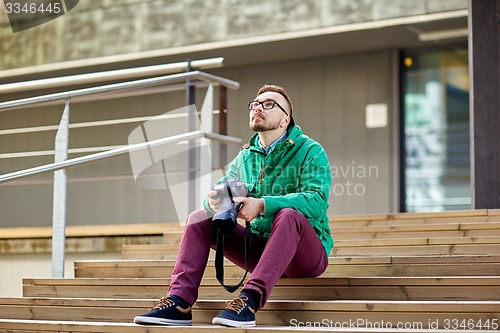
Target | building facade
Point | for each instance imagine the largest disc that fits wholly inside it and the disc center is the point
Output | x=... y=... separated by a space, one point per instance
x=381 y=84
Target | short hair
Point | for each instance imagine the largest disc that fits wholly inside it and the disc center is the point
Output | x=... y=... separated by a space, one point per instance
x=279 y=90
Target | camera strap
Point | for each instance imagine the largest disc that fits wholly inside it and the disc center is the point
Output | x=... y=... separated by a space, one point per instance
x=219 y=258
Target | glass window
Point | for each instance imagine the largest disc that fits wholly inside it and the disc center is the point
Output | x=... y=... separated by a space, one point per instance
x=436 y=163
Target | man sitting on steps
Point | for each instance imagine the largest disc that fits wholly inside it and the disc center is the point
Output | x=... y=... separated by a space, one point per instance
x=289 y=176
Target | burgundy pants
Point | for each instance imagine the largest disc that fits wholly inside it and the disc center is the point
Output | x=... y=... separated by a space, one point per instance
x=292 y=250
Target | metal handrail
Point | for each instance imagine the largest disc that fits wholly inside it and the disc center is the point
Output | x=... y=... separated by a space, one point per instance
x=173 y=78
x=119 y=74
x=114 y=152
x=192 y=78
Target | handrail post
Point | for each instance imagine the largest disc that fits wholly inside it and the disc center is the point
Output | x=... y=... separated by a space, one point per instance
x=191 y=100
x=206 y=124
x=222 y=125
x=59 y=196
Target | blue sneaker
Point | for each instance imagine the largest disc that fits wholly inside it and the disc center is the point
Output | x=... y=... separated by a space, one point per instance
x=166 y=312
x=238 y=313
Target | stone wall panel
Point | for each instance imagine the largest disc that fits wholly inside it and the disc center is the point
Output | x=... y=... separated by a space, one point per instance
x=49 y=42
x=205 y=21
x=385 y=9
x=121 y=28
x=434 y=6
x=337 y=12
x=82 y=35
x=298 y=14
x=162 y=24
x=252 y=17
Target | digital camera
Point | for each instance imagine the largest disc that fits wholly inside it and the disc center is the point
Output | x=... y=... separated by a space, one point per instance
x=226 y=218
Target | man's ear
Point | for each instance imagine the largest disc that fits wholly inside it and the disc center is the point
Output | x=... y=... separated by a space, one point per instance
x=285 y=122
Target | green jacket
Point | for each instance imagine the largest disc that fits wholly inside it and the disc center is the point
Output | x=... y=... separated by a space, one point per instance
x=295 y=174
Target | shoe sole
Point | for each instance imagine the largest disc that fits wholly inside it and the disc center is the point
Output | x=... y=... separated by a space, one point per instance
x=161 y=321
x=233 y=323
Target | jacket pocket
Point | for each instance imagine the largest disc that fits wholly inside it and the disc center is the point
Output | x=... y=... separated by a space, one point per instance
x=282 y=186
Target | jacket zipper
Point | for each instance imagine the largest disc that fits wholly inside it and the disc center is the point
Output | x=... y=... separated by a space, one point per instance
x=262 y=174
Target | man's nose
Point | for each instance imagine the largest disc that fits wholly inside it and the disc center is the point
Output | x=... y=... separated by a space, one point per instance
x=259 y=107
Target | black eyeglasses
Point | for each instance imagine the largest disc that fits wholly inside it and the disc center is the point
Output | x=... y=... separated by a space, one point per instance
x=268 y=104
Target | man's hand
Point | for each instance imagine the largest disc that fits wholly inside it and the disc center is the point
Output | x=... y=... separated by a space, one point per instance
x=250 y=208
x=214 y=203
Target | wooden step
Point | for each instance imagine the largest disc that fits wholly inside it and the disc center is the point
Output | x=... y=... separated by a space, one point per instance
x=401 y=227
x=410 y=241
x=355 y=288
x=338 y=267
x=325 y=325
x=383 y=247
x=415 y=234
x=419 y=250
x=277 y=313
x=367 y=219
x=476 y=235
x=412 y=228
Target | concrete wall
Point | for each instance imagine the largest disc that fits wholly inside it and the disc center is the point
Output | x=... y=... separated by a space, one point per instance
x=38 y=265
x=97 y=28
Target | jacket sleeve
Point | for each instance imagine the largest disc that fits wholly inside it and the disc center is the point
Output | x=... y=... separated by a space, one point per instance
x=314 y=189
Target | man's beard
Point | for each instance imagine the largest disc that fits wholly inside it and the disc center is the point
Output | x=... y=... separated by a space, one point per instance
x=261 y=127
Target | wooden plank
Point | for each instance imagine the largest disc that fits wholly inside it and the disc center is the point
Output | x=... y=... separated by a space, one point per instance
x=91 y=230
x=278 y=309
x=388 y=292
x=75 y=244
x=414 y=270
x=480 y=226
x=446 y=259
x=418 y=227
x=432 y=250
x=428 y=250
x=285 y=324
x=349 y=270
x=150 y=247
x=453 y=213
x=416 y=234
x=397 y=228
x=409 y=234
x=381 y=242
x=465 y=240
x=494 y=212
x=320 y=281
x=279 y=305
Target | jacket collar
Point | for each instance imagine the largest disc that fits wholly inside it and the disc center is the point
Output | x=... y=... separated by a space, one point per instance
x=295 y=135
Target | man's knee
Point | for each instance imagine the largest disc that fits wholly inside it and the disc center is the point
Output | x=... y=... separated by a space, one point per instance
x=198 y=216
x=286 y=216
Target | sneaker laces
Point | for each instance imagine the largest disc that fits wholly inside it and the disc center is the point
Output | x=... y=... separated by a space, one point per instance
x=237 y=304
x=164 y=302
